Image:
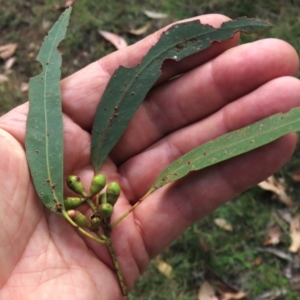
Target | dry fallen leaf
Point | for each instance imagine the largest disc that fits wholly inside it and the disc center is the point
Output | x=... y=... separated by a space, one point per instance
x=8 y=50
x=204 y=244
x=3 y=78
x=279 y=253
x=206 y=292
x=64 y=5
x=69 y=3
x=223 y=224
x=296 y=175
x=257 y=262
x=164 y=267
x=272 y=295
x=295 y=234
x=24 y=87
x=9 y=63
x=222 y=286
x=233 y=296
x=273 y=236
x=141 y=30
x=155 y=15
x=113 y=38
x=284 y=214
x=273 y=185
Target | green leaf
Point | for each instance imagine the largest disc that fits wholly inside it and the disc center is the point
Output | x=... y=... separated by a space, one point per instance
x=128 y=87
x=230 y=145
x=44 y=132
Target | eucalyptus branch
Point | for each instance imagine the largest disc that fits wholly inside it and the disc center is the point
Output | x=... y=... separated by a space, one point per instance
x=114 y=259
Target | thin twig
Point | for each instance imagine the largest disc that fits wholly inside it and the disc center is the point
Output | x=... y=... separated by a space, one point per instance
x=115 y=262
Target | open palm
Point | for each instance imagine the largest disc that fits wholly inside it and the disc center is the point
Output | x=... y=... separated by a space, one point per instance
x=221 y=89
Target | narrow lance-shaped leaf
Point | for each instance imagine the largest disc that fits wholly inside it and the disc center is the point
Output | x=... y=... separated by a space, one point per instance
x=230 y=145
x=44 y=132
x=128 y=87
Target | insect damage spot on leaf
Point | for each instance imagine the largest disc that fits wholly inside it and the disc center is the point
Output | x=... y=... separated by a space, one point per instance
x=181 y=46
x=58 y=207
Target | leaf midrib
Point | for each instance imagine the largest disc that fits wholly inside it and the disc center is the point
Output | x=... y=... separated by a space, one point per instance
x=236 y=143
x=141 y=71
x=46 y=116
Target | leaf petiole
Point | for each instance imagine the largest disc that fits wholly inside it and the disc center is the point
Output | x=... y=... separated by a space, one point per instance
x=115 y=223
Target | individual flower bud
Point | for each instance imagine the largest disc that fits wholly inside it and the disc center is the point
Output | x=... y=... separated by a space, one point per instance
x=98 y=183
x=102 y=198
x=80 y=219
x=106 y=210
x=75 y=184
x=113 y=191
x=95 y=223
x=72 y=202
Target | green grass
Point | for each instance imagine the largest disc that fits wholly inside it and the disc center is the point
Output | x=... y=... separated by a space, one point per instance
x=231 y=254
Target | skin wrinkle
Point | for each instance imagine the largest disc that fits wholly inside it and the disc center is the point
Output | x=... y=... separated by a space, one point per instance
x=83 y=150
x=233 y=185
x=135 y=266
x=173 y=151
x=185 y=209
x=17 y=261
x=140 y=230
x=104 y=69
x=15 y=197
x=215 y=83
x=45 y=269
x=179 y=108
x=46 y=253
x=182 y=116
x=155 y=114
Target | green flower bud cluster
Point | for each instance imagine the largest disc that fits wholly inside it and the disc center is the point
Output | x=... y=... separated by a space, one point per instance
x=102 y=205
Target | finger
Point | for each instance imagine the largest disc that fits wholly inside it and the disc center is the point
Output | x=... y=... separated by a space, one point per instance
x=278 y=95
x=205 y=90
x=164 y=215
x=83 y=90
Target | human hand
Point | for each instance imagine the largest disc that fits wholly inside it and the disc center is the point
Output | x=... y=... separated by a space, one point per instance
x=222 y=89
